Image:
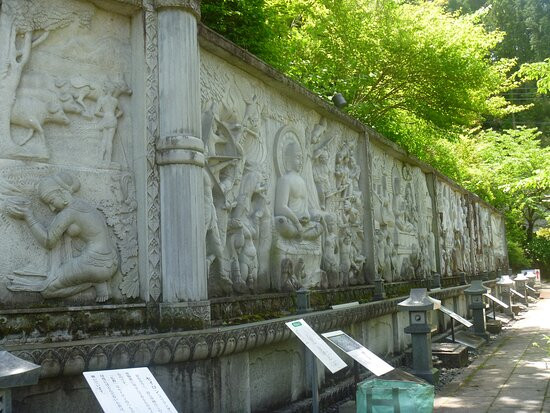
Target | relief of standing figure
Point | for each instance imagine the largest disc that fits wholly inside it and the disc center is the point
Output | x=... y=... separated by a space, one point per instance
x=108 y=109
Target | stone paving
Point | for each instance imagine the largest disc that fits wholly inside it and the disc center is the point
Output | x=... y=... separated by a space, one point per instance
x=512 y=374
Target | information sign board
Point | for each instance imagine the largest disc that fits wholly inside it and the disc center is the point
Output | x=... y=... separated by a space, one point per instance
x=454 y=315
x=316 y=345
x=128 y=390
x=358 y=352
x=496 y=300
x=517 y=293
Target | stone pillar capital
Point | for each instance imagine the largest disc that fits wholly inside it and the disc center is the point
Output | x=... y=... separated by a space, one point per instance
x=193 y=6
x=180 y=149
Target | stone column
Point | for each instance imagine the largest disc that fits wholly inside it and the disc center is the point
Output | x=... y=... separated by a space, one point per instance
x=431 y=181
x=180 y=156
x=368 y=215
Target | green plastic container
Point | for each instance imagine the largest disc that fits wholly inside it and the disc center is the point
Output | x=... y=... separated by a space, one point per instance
x=395 y=392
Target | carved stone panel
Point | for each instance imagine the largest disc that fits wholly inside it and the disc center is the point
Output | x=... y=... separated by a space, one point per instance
x=283 y=204
x=404 y=245
x=68 y=206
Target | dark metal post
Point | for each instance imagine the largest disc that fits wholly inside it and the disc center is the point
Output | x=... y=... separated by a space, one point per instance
x=311 y=368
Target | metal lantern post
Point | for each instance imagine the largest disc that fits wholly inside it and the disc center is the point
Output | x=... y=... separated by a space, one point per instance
x=418 y=305
x=475 y=291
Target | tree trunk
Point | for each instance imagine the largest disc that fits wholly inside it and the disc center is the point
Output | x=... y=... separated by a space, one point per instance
x=12 y=62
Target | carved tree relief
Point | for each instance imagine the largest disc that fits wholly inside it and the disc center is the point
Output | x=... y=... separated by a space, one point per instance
x=24 y=24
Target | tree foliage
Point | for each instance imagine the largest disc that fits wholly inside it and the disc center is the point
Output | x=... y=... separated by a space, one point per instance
x=241 y=21
x=539 y=71
x=393 y=61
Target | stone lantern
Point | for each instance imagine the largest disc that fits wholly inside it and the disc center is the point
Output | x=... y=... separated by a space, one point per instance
x=531 y=281
x=14 y=372
x=418 y=305
x=504 y=285
x=521 y=281
x=475 y=291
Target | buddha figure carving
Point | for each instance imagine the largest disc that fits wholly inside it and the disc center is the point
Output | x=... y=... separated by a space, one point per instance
x=293 y=219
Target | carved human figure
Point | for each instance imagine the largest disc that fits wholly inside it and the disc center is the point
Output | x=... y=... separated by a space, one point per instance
x=293 y=219
x=391 y=257
x=213 y=240
x=400 y=211
x=321 y=175
x=341 y=173
x=248 y=218
x=245 y=259
x=98 y=260
x=290 y=282
x=357 y=263
x=108 y=109
x=331 y=253
x=345 y=258
x=300 y=271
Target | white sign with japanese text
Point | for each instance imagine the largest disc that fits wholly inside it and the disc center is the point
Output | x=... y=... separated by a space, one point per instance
x=128 y=390
x=358 y=352
x=316 y=345
x=516 y=293
x=456 y=316
x=496 y=300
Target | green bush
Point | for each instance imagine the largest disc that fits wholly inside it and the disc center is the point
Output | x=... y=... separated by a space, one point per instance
x=538 y=249
x=516 y=256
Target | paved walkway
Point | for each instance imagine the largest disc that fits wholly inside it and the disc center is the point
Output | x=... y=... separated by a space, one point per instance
x=512 y=374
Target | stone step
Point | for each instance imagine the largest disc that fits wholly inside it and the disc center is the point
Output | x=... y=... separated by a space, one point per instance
x=452 y=355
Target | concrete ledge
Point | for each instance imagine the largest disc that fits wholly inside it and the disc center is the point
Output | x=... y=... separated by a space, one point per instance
x=74 y=357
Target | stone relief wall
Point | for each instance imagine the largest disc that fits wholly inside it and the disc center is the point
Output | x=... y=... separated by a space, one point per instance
x=282 y=193
x=455 y=238
x=472 y=237
x=288 y=190
x=286 y=202
x=68 y=207
x=402 y=204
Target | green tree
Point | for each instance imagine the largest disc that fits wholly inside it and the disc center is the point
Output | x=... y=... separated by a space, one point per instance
x=242 y=21
x=526 y=24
